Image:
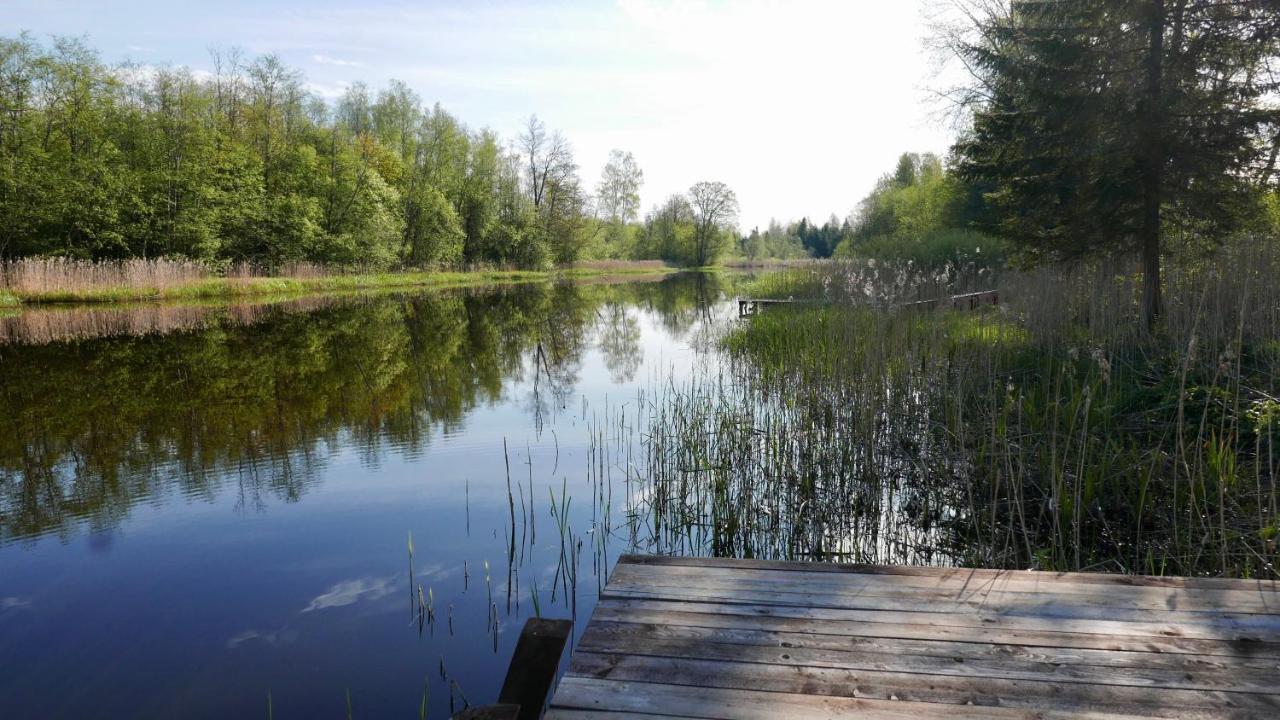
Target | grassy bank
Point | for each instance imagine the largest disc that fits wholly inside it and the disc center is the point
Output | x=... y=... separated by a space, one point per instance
x=1051 y=432
x=40 y=281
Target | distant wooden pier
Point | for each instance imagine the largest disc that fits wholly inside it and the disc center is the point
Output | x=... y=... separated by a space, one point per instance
x=714 y=638
x=752 y=306
x=967 y=301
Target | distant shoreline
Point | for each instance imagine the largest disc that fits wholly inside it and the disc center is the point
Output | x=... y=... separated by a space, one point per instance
x=212 y=288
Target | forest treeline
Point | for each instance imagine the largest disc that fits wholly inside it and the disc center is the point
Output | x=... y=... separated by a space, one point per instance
x=244 y=164
x=1095 y=128
x=921 y=212
x=924 y=213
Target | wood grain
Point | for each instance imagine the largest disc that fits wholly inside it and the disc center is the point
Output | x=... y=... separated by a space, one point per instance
x=720 y=638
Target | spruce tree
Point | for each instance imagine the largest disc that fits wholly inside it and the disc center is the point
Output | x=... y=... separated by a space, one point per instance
x=1099 y=125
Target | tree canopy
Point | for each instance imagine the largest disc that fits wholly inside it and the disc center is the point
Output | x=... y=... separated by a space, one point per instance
x=245 y=165
x=1101 y=125
x=920 y=213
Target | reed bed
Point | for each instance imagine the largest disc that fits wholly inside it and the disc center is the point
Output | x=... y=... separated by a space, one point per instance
x=294 y=270
x=58 y=275
x=621 y=266
x=40 y=325
x=66 y=280
x=1050 y=432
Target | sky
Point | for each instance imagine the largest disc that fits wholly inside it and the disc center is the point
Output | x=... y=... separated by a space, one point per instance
x=798 y=106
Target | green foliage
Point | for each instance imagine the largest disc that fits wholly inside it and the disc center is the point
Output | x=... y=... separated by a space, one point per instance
x=821 y=240
x=618 y=194
x=1118 y=127
x=776 y=241
x=610 y=240
x=693 y=229
x=434 y=231
x=1144 y=125
x=1043 y=433
x=1270 y=215
x=919 y=213
x=104 y=163
x=932 y=248
x=668 y=232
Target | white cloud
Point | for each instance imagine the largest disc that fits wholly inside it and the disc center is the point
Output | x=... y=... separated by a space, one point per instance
x=327 y=91
x=275 y=638
x=326 y=60
x=350 y=592
x=146 y=72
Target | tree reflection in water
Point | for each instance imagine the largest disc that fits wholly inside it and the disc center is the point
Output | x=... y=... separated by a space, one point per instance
x=119 y=409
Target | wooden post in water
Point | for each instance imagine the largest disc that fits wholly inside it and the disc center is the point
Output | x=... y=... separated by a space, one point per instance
x=530 y=674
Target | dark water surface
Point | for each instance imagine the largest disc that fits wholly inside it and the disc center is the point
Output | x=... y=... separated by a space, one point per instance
x=201 y=507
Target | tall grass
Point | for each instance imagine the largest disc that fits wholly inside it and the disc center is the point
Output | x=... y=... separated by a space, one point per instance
x=53 y=275
x=620 y=265
x=1051 y=432
x=65 y=280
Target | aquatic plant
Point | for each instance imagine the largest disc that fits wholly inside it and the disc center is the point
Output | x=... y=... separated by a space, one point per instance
x=1049 y=432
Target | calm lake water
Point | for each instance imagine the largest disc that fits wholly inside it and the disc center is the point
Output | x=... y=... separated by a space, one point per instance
x=202 y=507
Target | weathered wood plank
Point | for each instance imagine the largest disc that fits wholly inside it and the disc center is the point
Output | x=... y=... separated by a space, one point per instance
x=966 y=627
x=713 y=638
x=1137 y=598
x=1271 y=584
x=1222 y=625
x=1257 y=599
x=976 y=691
x=659 y=629
x=570 y=714
x=639 y=640
x=533 y=666
x=1163 y=601
x=703 y=702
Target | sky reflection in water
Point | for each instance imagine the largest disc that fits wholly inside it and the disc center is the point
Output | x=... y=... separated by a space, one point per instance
x=219 y=509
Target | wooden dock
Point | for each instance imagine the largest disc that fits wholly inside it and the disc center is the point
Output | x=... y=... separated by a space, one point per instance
x=713 y=638
x=968 y=301
x=753 y=306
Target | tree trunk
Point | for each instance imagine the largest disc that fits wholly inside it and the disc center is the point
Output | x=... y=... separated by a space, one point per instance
x=1151 y=300
x=1152 y=163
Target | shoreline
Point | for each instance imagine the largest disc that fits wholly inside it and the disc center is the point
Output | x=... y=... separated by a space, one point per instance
x=230 y=288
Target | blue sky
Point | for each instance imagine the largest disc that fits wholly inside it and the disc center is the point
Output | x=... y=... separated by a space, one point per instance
x=799 y=106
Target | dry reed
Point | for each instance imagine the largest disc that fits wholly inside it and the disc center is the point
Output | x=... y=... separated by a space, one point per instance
x=55 y=275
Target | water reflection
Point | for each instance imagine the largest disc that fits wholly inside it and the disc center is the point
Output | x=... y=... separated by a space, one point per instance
x=256 y=401
x=195 y=514
x=620 y=342
x=45 y=324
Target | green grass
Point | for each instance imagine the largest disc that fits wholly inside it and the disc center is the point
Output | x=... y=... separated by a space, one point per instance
x=220 y=288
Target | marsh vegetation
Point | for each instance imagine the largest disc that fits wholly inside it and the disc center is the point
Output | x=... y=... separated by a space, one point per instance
x=1049 y=432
